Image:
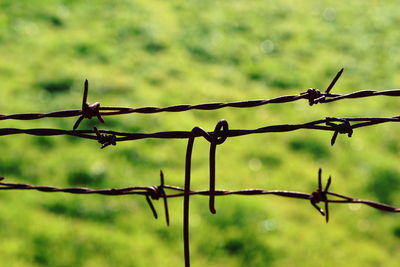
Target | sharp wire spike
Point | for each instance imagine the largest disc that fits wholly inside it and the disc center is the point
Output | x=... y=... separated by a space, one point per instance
x=326 y=211
x=162 y=178
x=77 y=123
x=100 y=118
x=164 y=196
x=329 y=88
x=318 y=208
x=85 y=94
x=319 y=179
x=334 y=136
x=328 y=184
x=153 y=210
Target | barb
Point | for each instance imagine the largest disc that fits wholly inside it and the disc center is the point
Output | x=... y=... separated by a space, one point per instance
x=105 y=139
x=342 y=128
x=157 y=192
x=88 y=110
x=315 y=96
x=164 y=196
x=321 y=195
x=328 y=90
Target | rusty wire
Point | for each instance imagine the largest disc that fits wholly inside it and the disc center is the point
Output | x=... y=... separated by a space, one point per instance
x=158 y=192
x=107 y=137
x=220 y=134
x=314 y=96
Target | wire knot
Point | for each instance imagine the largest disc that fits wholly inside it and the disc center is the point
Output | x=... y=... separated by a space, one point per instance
x=220 y=133
x=105 y=139
x=318 y=196
x=343 y=128
x=91 y=110
x=217 y=137
x=154 y=192
x=88 y=110
x=313 y=95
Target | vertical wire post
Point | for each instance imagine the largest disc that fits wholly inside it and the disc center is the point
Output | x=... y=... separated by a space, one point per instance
x=186 y=198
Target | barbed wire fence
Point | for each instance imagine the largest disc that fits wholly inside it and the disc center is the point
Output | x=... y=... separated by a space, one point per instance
x=217 y=137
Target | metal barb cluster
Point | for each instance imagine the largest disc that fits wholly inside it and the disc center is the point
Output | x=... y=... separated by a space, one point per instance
x=315 y=96
x=157 y=192
x=88 y=110
x=105 y=139
x=217 y=137
x=343 y=128
x=320 y=195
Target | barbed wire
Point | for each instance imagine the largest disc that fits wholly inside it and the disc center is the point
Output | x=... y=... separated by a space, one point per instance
x=314 y=96
x=158 y=192
x=108 y=137
x=344 y=125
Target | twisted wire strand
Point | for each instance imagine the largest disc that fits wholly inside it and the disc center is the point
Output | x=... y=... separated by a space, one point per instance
x=314 y=96
x=107 y=137
x=108 y=111
x=148 y=190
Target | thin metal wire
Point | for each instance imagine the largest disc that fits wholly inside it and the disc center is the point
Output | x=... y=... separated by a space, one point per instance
x=106 y=137
x=157 y=192
x=186 y=199
x=109 y=111
x=181 y=192
x=313 y=95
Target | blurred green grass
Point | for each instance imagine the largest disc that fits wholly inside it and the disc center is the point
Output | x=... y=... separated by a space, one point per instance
x=157 y=53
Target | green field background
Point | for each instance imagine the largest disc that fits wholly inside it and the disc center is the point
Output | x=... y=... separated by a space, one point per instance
x=159 y=53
